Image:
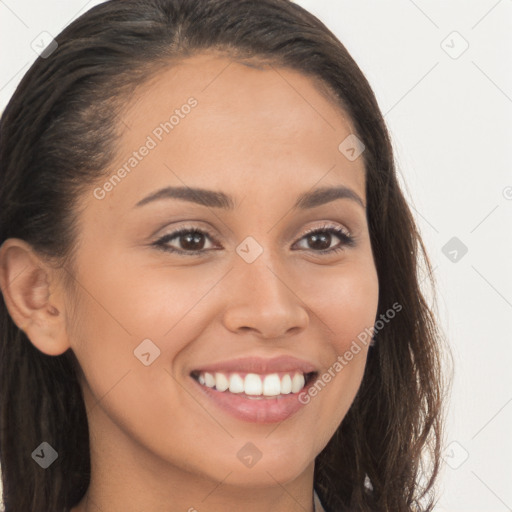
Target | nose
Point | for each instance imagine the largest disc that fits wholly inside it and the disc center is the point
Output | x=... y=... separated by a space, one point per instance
x=265 y=301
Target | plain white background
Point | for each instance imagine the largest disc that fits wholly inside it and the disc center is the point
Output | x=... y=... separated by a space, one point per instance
x=442 y=75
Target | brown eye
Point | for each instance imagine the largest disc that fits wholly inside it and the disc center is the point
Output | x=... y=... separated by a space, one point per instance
x=190 y=241
x=320 y=239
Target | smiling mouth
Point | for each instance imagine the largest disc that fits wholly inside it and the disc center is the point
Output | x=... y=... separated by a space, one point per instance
x=253 y=385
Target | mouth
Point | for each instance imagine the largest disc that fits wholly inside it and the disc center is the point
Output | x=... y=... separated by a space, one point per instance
x=255 y=398
x=255 y=386
x=256 y=389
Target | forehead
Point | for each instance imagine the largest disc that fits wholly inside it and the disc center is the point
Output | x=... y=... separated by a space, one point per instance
x=213 y=122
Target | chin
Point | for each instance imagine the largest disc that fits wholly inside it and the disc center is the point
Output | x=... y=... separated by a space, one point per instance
x=267 y=471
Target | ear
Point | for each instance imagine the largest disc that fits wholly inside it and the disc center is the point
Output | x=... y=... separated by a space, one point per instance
x=33 y=296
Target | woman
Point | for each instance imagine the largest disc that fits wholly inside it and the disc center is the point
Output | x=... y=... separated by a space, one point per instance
x=209 y=273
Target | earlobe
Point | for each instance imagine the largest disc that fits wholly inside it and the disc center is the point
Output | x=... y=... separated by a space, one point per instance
x=33 y=297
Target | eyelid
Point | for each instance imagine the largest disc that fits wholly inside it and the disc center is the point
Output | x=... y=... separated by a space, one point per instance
x=327 y=225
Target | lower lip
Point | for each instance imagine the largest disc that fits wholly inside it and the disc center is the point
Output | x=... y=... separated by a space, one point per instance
x=265 y=410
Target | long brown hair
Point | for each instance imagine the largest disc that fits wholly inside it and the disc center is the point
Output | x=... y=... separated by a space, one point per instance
x=58 y=135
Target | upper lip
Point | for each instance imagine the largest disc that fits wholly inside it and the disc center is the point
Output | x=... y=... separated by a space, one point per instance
x=259 y=365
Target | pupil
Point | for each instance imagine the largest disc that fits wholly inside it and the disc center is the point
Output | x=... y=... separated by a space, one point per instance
x=325 y=237
x=191 y=241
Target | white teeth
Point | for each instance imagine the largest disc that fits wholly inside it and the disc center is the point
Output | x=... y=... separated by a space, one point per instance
x=253 y=384
x=221 y=382
x=209 y=380
x=286 y=385
x=272 y=385
x=236 y=384
x=297 y=382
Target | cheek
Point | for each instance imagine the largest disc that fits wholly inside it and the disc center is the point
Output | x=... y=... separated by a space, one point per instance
x=352 y=309
x=125 y=301
x=130 y=314
x=346 y=303
x=345 y=300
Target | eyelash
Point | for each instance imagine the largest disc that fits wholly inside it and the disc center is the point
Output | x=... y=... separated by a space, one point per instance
x=344 y=236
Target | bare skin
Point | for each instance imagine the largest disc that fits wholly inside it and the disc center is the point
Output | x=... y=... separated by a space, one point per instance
x=157 y=443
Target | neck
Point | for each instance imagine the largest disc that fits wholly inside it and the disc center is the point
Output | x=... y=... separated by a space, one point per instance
x=126 y=476
x=194 y=496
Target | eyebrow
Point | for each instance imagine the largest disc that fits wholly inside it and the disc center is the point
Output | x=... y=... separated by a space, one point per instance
x=215 y=199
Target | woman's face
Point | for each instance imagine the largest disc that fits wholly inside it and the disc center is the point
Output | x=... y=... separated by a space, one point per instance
x=152 y=307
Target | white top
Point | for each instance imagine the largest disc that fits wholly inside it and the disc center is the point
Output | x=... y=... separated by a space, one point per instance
x=318 y=504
